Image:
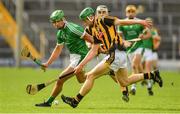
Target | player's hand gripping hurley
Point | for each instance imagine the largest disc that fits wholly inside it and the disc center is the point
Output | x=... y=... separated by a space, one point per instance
x=25 y=52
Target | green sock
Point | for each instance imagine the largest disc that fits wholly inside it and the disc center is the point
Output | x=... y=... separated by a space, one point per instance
x=50 y=100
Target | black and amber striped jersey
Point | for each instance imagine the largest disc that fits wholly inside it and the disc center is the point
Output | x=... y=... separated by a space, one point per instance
x=104 y=32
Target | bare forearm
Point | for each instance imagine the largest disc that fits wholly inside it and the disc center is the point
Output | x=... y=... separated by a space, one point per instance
x=56 y=52
x=88 y=38
x=147 y=34
x=91 y=54
x=127 y=22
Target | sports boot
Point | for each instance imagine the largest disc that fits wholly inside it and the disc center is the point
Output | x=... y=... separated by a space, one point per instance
x=69 y=100
x=45 y=104
x=157 y=78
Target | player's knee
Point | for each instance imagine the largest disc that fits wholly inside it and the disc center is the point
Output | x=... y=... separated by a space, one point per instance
x=82 y=80
x=90 y=76
x=124 y=83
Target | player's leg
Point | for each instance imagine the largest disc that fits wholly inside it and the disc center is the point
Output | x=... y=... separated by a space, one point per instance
x=133 y=69
x=154 y=64
x=120 y=61
x=112 y=75
x=125 y=81
x=148 y=66
x=81 y=77
x=155 y=61
x=74 y=60
x=144 y=82
x=136 y=64
x=95 y=73
x=57 y=88
x=124 y=90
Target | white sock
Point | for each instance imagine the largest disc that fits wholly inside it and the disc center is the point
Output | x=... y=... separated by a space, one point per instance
x=133 y=86
x=149 y=85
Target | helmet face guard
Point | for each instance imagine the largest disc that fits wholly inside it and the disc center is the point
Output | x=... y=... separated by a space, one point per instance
x=86 y=13
x=102 y=8
x=57 y=15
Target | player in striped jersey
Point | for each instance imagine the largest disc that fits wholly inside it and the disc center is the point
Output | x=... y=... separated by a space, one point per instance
x=102 y=11
x=116 y=58
x=70 y=35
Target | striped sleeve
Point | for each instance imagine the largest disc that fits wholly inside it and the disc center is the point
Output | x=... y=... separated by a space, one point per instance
x=76 y=29
x=59 y=38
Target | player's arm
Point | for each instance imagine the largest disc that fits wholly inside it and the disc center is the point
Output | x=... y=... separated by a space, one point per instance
x=146 y=34
x=126 y=43
x=83 y=34
x=87 y=37
x=91 y=54
x=156 y=41
x=54 y=55
x=146 y=23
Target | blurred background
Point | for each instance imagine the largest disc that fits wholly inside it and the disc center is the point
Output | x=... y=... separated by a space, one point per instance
x=35 y=30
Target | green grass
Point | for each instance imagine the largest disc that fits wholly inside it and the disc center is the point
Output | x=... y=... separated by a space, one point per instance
x=104 y=98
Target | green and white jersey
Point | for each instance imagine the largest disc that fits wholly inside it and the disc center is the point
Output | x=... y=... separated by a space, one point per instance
x=148 y=43
x=71 y=36
x=131 y=32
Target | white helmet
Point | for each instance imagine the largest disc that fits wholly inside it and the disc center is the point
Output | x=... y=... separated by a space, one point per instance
x=100 y=9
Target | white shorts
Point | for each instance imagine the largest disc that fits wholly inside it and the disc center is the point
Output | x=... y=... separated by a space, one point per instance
x=74 y=60
x=101 y=56
x=137 y=51
x=120 y=60
x=155 y=56
x=148 y=55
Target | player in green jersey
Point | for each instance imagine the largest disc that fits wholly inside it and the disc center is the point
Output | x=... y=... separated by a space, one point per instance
x=156 y=43
x=72 y=36
x=147 y=59
x=132 y=32
x=149 y=56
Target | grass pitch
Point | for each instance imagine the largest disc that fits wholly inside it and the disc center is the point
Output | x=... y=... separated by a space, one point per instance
x=105 y=97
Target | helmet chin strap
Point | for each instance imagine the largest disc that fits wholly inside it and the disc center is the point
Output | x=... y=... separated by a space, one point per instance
x=89 y=19
x=64 y=20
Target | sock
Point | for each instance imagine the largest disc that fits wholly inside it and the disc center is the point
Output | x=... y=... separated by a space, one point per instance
x=149 y=89
x=152 y=75
x=50 y=100
x=125 y=92
x=149 y=84
x=146 y=76
x=149 y=75
x=79 y=97
x=133 y=86
x=111 y=73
